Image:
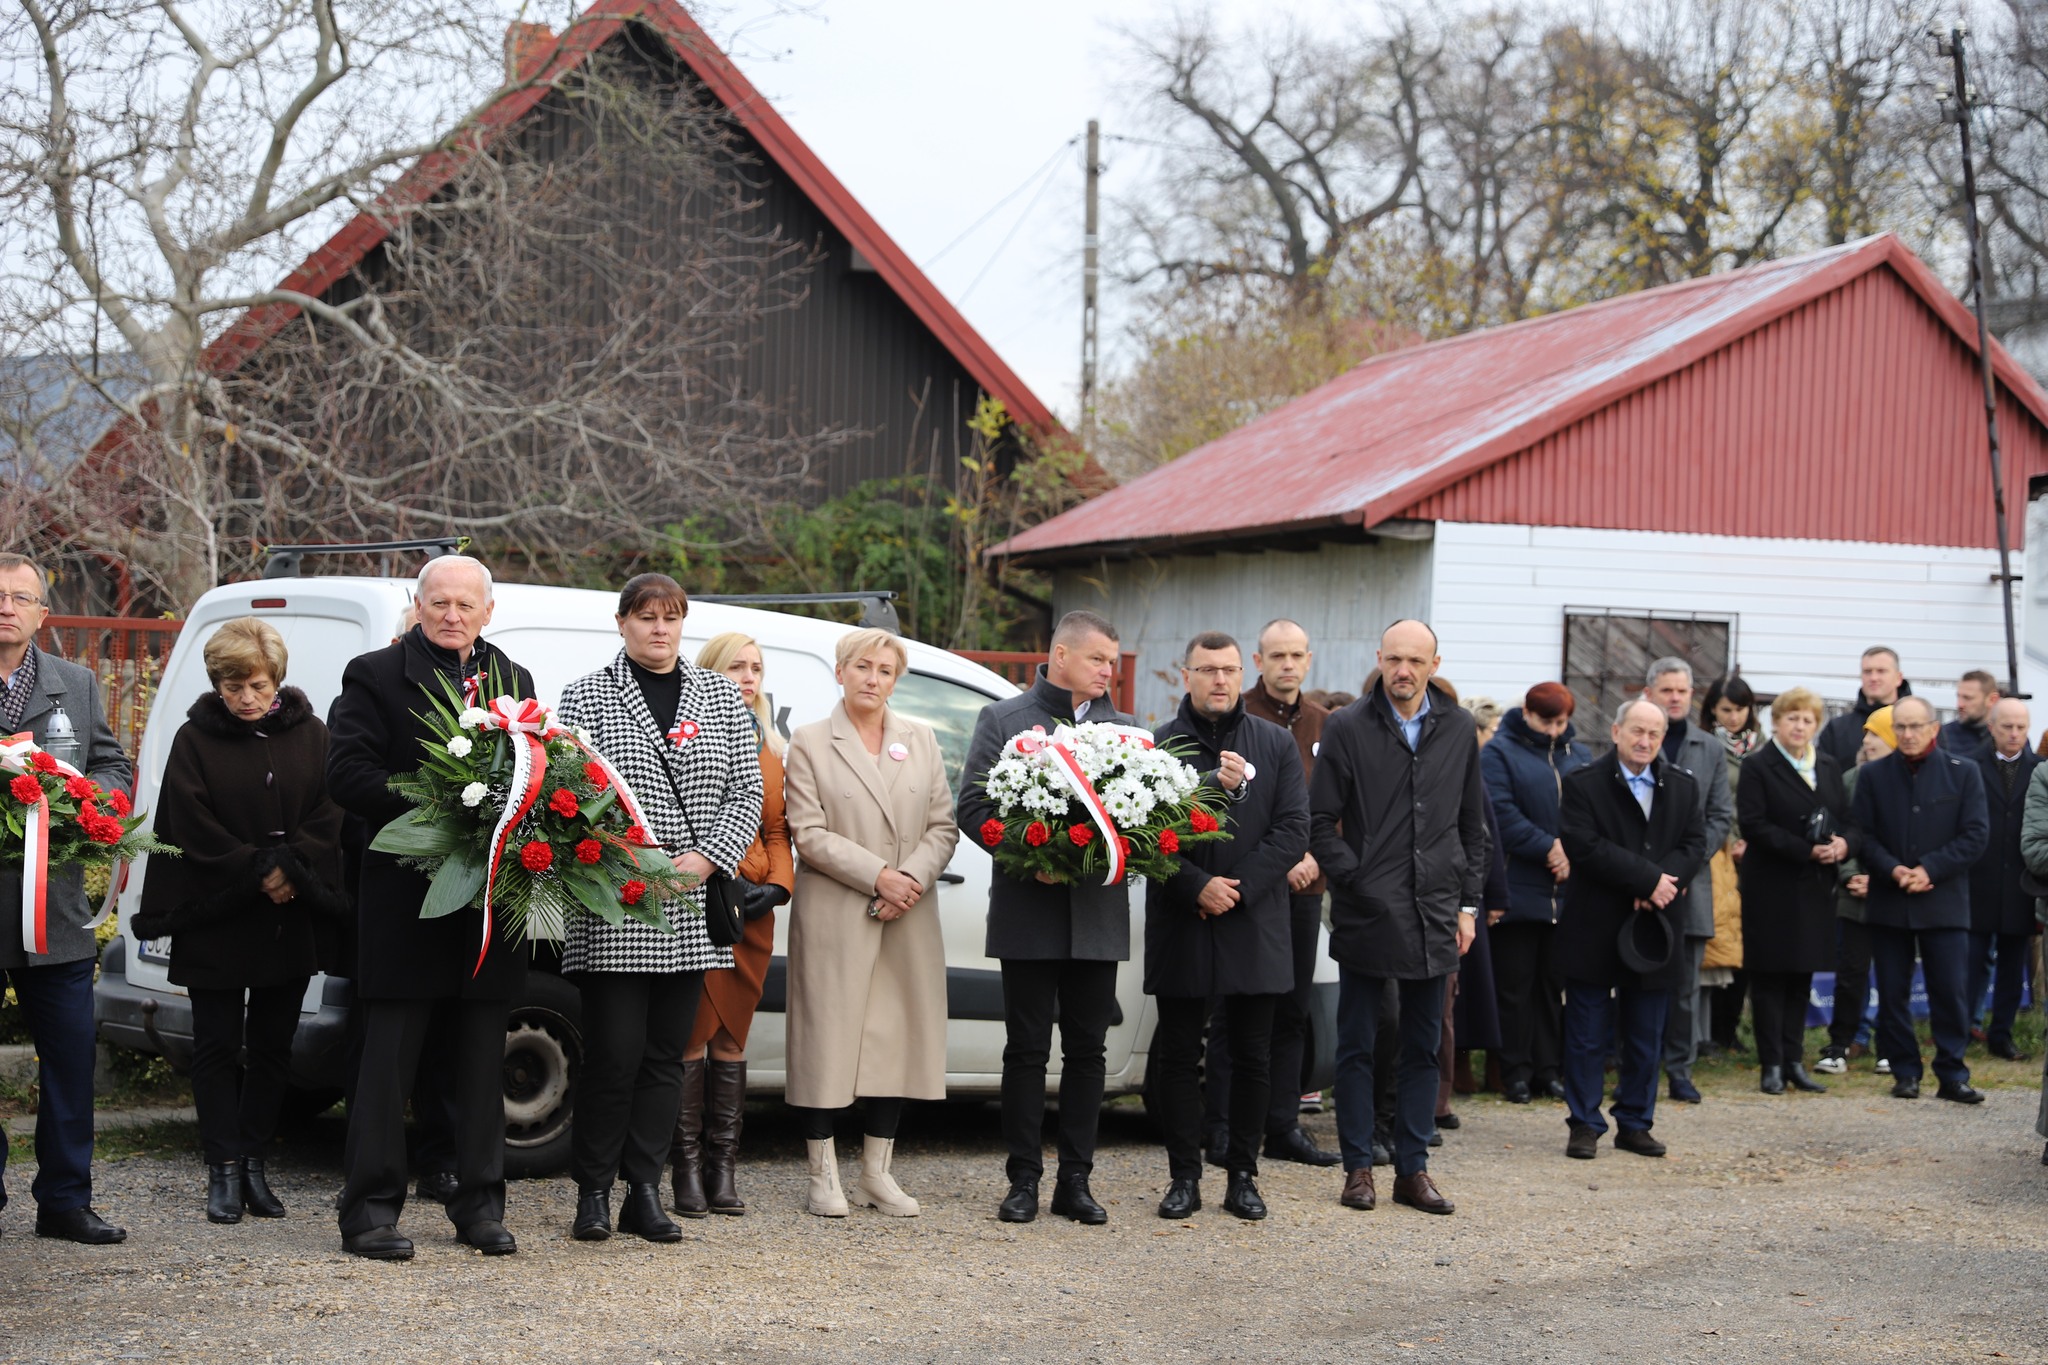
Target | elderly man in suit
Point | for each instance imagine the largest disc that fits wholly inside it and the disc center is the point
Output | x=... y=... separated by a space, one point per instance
x=1632 y=827
x=2001 y=912
x=1692 y=749
x=54 y=985
x=1924 y=823
x=1059 y=944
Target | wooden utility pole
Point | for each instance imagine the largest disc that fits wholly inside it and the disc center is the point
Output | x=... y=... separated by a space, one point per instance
x=1957 y=111
x=1090 y=271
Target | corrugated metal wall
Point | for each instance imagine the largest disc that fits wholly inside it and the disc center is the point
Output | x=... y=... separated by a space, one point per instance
x=1823 y=424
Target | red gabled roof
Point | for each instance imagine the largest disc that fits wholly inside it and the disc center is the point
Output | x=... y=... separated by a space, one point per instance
x=1385 y=439
x=546 y=62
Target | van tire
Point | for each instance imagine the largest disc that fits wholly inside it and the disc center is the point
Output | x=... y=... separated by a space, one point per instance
x=543 y=1059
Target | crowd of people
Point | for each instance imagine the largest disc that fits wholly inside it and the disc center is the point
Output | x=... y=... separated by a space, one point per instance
x=1488 y=886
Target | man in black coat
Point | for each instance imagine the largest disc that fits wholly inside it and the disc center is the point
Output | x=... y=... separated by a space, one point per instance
x=1397 y=821
x=1632 y=825
x=2001 y=911
x=1969 y=734
x=1882 y=684
x=418 y=982
x=1924 y=826
x=1220 y=927
x=1059 y=944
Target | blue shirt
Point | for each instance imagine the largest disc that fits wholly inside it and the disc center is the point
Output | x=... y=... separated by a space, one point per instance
x=1411 y=727
x=1642 y=786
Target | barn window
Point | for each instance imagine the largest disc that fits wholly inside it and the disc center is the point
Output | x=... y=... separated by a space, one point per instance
x=1606 y=653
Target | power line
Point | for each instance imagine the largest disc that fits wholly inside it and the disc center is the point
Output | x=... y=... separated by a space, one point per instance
x=1027 y=183
x=1011 y=235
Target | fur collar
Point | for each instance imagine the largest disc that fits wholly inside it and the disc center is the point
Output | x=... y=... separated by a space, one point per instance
x=211 y=714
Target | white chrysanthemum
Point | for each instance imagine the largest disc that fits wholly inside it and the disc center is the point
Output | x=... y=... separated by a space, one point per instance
x=459 y=747
x=472 y=718
x=473 y=795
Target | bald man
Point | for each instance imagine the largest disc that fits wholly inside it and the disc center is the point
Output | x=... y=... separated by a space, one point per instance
x=2001 y=911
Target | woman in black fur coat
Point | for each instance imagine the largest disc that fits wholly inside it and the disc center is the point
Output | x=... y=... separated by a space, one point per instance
x=245 y=799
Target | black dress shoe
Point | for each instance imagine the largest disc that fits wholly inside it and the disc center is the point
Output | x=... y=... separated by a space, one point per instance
x=2002 y=1047
x=224 y=1192
x=1639 y=1141
x=640 y=1214
x=1551 y=1089
x=379 y=1244
x=1959 y=1092
x=1183 y=1199
x=78 y=1225
x=1241 y=1199
x=1516 y=1092
x=1584 y=1142
x=1436 y=1137
x=1450 y=1121
x=593 y=1216
x=487 y=1235
x=1296 y=1145
x=1070 y=1199
x=1796 y=1077
x=1771 y=1081
x=439 y=1186
x=1684 y=1091
x=1020 y=1205
x=256 y=1195
x=1906 y=1088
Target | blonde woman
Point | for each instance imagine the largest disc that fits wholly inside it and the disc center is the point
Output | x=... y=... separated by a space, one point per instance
x=872 y=820
x=707 y=1137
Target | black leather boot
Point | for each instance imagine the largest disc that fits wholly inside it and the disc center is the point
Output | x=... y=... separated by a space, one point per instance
x=687 y=1154
x=593 y=1216
x=256 y=1190
x=1771 y=1081
x=725 y=1107
x=1796 y=1077
x=224 y=1191
x=640 y=1214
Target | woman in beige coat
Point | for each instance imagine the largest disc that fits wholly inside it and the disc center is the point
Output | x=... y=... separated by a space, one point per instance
x=871 y=817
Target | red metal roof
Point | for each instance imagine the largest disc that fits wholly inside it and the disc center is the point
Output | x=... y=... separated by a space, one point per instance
x=547 y=61
x=1830 y=396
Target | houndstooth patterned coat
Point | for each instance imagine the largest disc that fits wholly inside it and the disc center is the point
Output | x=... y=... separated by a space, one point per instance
x=710 y=749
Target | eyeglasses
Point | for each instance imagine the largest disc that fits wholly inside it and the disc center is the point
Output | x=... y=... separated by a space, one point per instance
x=1217 y=670
x=1912 y=727
x=22 y=601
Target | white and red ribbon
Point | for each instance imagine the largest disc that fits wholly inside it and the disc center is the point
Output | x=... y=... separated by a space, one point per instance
x=17 y=755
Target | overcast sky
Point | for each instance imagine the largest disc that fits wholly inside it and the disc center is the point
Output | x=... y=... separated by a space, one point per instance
x=933 y=111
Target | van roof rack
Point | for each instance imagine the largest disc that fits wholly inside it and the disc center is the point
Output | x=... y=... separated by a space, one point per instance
x=877 y=608
x=283 y=560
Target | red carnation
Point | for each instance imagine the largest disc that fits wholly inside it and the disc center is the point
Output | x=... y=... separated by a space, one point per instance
x=536 y=856
x=1081 y=835
x=991 y=832
x=1035 y=834
x=105 y=830
x=638 y=835
x=1169 y=842
x=26 y=789
x=81 y=788
x=632 y=891
x=589 y=851
x=596 y=775
x=87 y=813
x=564 y=803
x=42 y=762
x=1123 y=846
x=1203 y=822
x=120 y=802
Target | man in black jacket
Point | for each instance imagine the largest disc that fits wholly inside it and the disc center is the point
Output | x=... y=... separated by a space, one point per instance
x=1842 y=738
x=1969 y=734
x=1059 y=944
x=1397 y=821
x=1632 y=825
x=1219 y=927
x=2002 y=922
x=418 y=982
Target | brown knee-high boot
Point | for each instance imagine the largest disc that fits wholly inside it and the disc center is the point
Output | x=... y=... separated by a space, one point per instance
x=687 y=1155
x=725 y=1106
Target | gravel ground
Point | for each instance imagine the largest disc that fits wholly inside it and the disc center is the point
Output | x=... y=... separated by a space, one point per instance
x=1843 y=1227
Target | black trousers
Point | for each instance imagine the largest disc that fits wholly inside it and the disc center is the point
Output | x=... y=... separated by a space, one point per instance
x=1530 y=990
x=1081 y=997
x=1244 y=1024
x=471 y=1034
x=880 y=1117
x=1947 y=974
x=239 y=1102
x=1289 y=1069
x=1852 y=982
x=1727 y=1009
x=636 y=1028
x=1777 y=1012
x=2013 y=951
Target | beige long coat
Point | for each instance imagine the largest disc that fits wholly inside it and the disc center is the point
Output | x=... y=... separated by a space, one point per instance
x=867 y=1000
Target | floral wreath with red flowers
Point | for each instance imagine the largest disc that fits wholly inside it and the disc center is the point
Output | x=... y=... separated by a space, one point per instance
x=77 y=822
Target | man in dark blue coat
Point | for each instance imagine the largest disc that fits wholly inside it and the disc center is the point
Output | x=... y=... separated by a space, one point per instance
x=2001 y=912
x=1924 y=823
x=1220 y=927
x=1969 y=734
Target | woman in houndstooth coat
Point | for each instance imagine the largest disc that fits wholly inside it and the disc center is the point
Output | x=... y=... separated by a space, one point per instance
x=684 y=740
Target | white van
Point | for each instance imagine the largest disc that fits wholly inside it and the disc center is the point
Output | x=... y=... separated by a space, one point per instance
x=560 y=634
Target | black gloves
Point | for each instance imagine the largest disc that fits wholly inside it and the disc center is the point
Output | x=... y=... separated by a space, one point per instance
x=759 y=898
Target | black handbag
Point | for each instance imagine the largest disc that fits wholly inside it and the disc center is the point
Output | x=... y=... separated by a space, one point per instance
x=725 y=921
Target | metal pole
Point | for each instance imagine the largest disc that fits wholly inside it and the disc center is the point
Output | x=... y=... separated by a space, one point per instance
x=1090 y=270
x=1958 y=113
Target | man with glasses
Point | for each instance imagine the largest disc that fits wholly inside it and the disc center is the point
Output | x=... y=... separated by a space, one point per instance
x=54 y=985
x=1925 y=823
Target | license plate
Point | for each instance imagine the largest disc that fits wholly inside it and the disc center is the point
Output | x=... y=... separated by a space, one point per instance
x=154 y=950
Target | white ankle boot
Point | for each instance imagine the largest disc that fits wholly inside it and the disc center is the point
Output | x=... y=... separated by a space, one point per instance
x=825 y=1198
x=876 y=1187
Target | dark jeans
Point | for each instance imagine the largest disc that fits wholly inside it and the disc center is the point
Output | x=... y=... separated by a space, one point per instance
x=1245 y=1023
x=1682 y=1021
x=1531 y=996
x=56 y=1005
x=1289 y=1070
x=1081 y=997
x=1942 y=962
x=1777 y=1005
x=1727 y=1009
x=636 y=1027
x=471 y=1034
x=1852 y=983
x=880 y=1117
x=1591 y=1016
x=1358 y=1029
x=238 y=1103
x=2013 y=950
